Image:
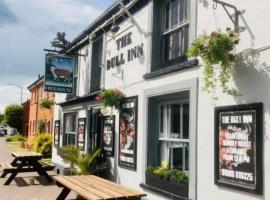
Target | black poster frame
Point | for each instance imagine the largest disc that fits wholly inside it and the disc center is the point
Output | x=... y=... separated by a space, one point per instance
x=123 y=164
x=78 y=135
x=56 y=122
x=256 y=188
x=109 y=153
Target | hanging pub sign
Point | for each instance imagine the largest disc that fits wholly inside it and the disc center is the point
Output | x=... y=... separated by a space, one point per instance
x=238 y=147
x=108 y=135
x=81 y=133
x=128 y=134
x=59 y=73
x=56 y=133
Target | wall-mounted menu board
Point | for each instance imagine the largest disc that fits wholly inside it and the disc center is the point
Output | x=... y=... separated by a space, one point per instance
x=238 y=147
x=56 y=133
x=108 y=135
x=128 y=134
x=81 y=133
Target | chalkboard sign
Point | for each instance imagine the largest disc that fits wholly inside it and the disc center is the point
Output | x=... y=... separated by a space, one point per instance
x=128 y=134
x=108 y=136
x=238 y=147
x=81 y=133
x=56 y=133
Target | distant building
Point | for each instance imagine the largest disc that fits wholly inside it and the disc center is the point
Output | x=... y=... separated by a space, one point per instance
x=40 y=119
x=25 y=123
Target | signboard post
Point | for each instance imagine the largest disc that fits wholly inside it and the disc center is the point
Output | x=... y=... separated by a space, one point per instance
x=56 y=132
x=81 y=133
x=59 y=73
x=128 y=134
x=108 y=135
x=238 y=147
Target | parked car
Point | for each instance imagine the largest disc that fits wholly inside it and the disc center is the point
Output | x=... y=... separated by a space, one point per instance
x=11 y=131
x=3 y=131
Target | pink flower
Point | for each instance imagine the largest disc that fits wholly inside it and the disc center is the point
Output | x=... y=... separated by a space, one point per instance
x=98 y=97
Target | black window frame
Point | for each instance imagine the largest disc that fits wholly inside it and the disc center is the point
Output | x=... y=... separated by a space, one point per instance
x=158 y=44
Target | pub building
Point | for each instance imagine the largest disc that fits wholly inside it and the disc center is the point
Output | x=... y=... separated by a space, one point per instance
x=217 y=144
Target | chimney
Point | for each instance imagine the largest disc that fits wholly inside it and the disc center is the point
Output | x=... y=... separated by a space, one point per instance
x=38 y=76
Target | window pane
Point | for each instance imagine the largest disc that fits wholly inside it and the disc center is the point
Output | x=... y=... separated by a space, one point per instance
x=175 y=121
x=174 y=13
x=179 y=157
x=71 y=139
x=184 y=12
x=186 y=121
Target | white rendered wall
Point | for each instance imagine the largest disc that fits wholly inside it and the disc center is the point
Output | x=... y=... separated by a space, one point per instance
x=252 y=80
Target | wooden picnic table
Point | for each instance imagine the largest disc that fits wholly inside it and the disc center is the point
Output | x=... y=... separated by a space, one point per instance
x=95 y=188
x=25 y=162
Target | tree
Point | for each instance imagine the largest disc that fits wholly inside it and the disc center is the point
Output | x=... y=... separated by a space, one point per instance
x=2 y=117
x=14 y=116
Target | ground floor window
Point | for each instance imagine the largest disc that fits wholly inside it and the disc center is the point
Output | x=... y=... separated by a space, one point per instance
x=168 y=143
x=70 y=129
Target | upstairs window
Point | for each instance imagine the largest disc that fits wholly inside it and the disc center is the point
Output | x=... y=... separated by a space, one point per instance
x=97 y=56
x=176 y=29
x=171 y=27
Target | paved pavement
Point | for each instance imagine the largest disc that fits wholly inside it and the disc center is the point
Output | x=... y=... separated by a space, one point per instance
x=20 y=189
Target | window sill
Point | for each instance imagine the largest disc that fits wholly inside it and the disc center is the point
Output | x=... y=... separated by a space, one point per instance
x=161 y=192
x=171 y=69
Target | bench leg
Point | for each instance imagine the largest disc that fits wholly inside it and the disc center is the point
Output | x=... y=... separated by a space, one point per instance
x=41 y=171
x=3 y=175
x=63 y=195
x=14 y=174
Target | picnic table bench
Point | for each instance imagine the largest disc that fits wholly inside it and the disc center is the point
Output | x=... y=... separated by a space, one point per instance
x=25 y=162
x=95 y=188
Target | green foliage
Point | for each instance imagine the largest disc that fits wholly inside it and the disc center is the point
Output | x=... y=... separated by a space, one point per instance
x=216 y=49
x=14 y=116
x=112 y=98
x=81 y=163
x=46 y=103
x=166 y=173
x=16 y=138
x=2 y=117
x=41 y=126
x=42 y=143
x=71 y=156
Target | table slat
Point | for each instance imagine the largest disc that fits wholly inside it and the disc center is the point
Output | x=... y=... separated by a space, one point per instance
x=95 y=188
x=89 y=187
x=65 y=182
x=98 y=186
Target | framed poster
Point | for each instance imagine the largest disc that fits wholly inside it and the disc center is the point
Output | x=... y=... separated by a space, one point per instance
x=59 y=73
x=238 y=147
x=128 y=134
x=108 y=136
x=57 y=133
x=81 y=133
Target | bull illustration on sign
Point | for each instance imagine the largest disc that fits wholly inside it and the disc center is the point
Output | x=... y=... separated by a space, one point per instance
x=61 y=74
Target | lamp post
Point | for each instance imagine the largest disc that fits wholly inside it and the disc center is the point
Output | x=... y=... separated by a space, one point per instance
x=19 y=86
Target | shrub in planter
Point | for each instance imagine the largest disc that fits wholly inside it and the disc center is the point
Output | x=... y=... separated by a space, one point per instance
x=81 y=163
x=169 y=180
x=42 y=143
x=216 y=51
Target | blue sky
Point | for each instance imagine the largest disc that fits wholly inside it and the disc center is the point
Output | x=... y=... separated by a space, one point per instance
x=27 y=27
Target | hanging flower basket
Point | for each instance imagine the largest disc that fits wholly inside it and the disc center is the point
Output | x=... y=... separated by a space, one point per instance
x=111 y=98
x=46 y=103
x=216 y=51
